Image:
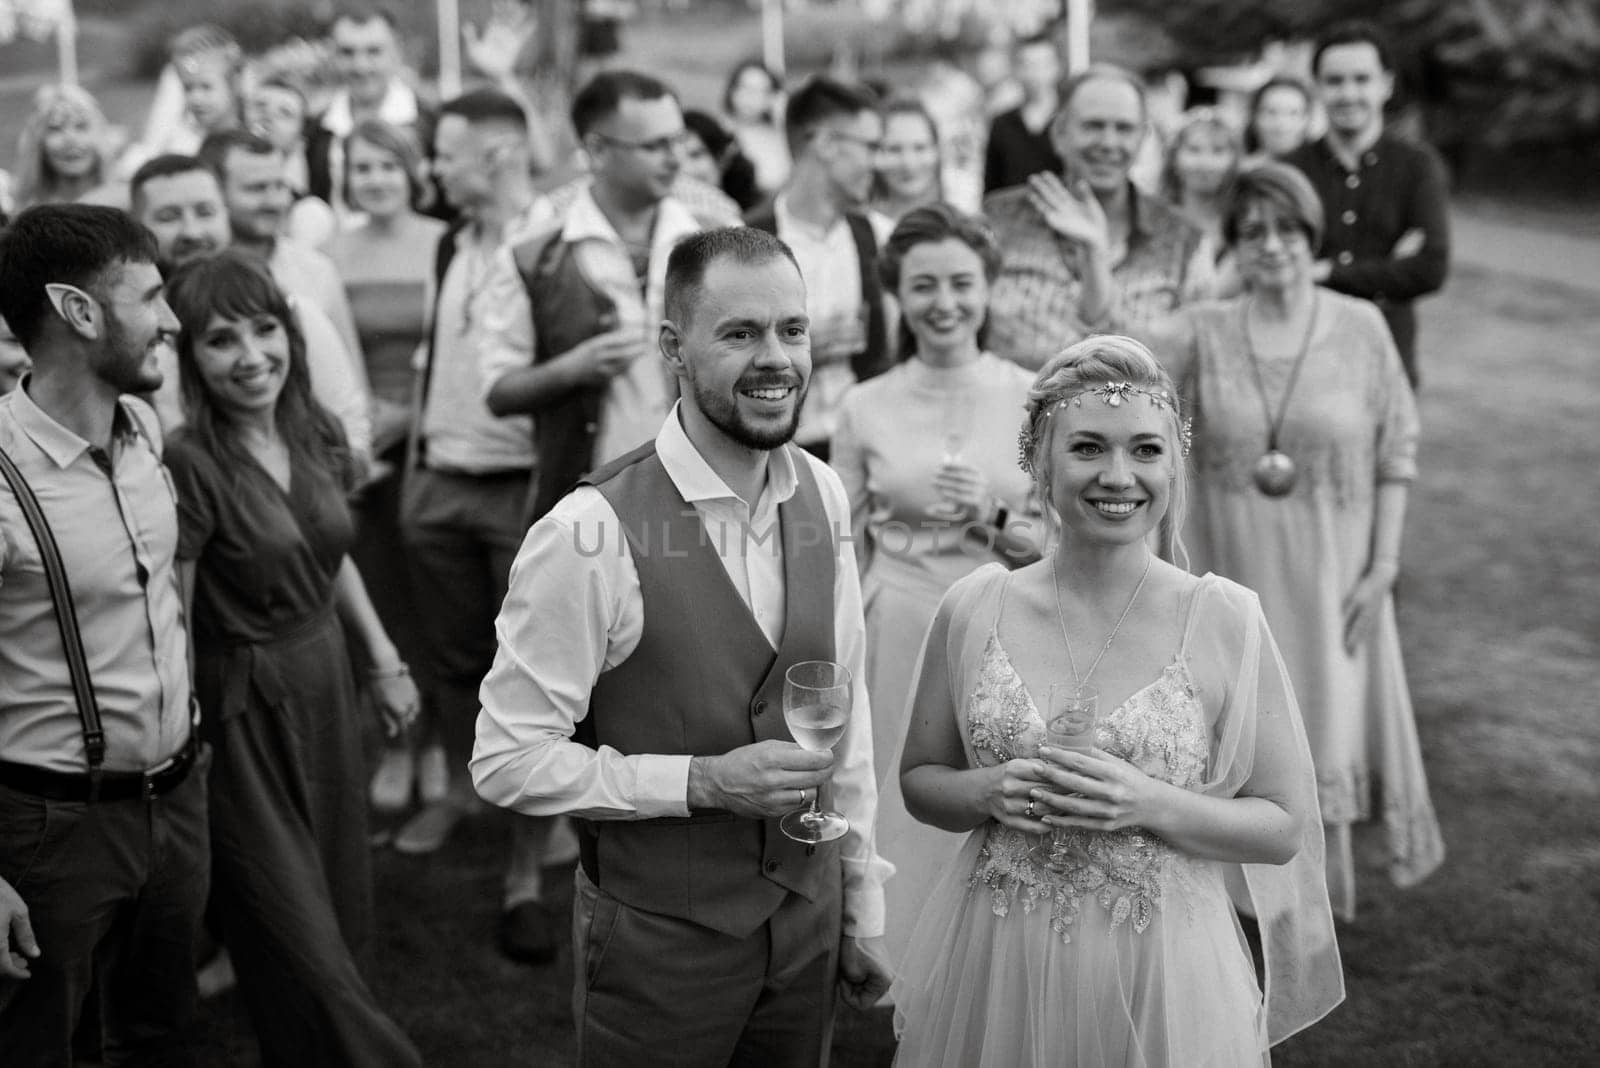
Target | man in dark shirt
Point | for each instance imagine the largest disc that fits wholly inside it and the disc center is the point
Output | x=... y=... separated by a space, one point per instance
x=1388 y=231
x=1019 y=139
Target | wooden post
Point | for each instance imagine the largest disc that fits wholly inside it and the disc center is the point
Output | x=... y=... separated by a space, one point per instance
x=449 y=49
x=772 y=36
x=1079 y=15
x=67 y=44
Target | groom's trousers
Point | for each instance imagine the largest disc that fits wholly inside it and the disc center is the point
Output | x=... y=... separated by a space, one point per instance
x=661 y=991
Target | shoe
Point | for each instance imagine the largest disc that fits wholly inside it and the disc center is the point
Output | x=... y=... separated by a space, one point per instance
x=427 y=830
x=433 y=775
x=216 y=976
x=391 y=783
x=528 y=933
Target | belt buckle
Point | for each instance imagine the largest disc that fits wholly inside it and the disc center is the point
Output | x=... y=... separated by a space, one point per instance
x=147 y=786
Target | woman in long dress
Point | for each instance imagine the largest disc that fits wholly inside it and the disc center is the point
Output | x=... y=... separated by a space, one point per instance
x=1113 y=942
x=1305 y=451
x=386 y=261
x=261 y=473
x=927 y=454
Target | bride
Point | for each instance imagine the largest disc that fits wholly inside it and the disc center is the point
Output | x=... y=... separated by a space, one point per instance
x=1088 y=919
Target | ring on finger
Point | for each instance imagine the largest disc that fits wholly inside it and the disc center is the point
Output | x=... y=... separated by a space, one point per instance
x=1028 y=809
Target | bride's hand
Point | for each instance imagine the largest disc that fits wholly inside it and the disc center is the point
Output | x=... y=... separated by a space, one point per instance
x=1096 y=791
x=1009 y=792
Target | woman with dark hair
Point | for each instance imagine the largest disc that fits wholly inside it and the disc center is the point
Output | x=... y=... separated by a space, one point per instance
x=1121 y=741
x=264 y=535
x=1305 y=452
x=926 y=452
x=385 y=258
x=710 y=154
x=908 y=159
x=1279 y=119
x=753 y=102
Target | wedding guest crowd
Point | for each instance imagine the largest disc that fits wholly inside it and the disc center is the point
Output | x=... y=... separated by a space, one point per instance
x=370 y=402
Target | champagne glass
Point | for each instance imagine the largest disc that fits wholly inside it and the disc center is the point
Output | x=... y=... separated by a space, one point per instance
x=955 y=424
x=1071 y=715
x=816 y=706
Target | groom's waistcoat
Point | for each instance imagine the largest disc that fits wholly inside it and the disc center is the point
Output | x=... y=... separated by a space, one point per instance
x=704 y=680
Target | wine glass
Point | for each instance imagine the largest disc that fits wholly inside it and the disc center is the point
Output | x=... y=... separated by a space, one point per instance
x=816 y=706
x=955 y=425
x=1071 y=715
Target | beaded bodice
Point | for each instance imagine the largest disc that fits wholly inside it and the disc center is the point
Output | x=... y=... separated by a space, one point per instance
x=1161 y=729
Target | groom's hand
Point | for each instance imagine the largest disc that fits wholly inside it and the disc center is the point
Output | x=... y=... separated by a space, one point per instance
x=760 y=780
x=863 y=972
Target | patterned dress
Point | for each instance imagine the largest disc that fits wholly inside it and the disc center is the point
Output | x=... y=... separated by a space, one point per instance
x=1114 y=948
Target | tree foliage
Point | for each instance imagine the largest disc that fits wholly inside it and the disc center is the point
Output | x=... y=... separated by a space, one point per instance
x=1504 y=72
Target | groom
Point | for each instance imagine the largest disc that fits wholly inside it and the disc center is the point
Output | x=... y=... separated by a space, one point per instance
x=638 y=686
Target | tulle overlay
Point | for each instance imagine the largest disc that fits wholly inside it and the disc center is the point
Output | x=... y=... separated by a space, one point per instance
x=1116 y=948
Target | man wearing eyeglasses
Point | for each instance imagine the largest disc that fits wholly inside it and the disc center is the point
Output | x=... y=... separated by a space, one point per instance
x=834 y=130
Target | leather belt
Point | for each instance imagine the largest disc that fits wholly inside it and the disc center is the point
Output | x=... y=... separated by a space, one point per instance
x=102 y=786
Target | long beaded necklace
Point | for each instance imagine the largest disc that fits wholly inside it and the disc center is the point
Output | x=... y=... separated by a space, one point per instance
x=1275 y=471
x=1061 y=617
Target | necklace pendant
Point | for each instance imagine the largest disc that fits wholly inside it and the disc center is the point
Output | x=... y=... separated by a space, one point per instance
x=1275 y=474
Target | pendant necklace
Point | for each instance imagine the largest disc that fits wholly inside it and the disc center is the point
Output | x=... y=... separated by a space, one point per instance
x=1061 y=617
x=1275 y=472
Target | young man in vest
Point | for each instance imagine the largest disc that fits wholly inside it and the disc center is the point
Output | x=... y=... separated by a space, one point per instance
x=104 y=854
x=834 y=130
x=1388 y=235
x=573 y=310
x=691 y=574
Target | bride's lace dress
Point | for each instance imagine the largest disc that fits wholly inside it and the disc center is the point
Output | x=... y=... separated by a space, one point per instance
x=1122 y=950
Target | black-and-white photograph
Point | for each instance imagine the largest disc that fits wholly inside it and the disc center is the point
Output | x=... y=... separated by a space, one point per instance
x=799 y=533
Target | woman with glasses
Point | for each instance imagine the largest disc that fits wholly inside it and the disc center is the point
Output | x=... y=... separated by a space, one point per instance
x=1305 y=449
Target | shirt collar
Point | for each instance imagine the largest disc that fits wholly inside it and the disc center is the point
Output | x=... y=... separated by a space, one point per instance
x=398 y=108
x=586 y=222
x=786 y=222
x=61 y=445
x=696 y=481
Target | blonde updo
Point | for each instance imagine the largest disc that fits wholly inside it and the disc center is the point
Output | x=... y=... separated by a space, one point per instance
x=1098 y=361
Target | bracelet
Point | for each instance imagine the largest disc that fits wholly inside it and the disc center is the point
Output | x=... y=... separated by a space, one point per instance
x=401 y=671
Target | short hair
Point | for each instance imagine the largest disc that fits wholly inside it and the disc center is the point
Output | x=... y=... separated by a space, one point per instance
x=215 y=148
x=169 y=165
x=203 y=39
x=819 y=99
x=1037 y=40
x=365 y=13
x=737 y=73
x=1280 y=186
x=1353 y=31
x=1193 y=120
x=400 y=143
x=480 y=106
x=692 y=256
x=62 y=243
x=287 y=84
x=928 y=224
x=1100 y=72
x=602 y=96
x=1252 y=140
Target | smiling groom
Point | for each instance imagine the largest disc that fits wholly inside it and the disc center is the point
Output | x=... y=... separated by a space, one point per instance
x=691 y=573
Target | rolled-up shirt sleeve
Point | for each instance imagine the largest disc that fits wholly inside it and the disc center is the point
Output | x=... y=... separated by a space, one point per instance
x=506 y=343
x=572 y=611
x=855 y=785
